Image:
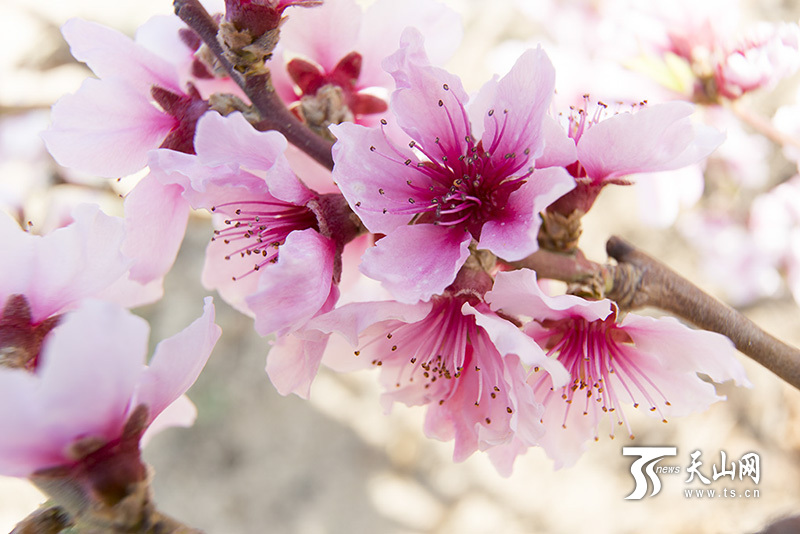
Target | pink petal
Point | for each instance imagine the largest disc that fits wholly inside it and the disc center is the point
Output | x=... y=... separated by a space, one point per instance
x=681 y=348
x=510 y=340
x=292 y=363
x=160 y=36
x=352 y=319
x=55 y=271
x=131 y=294
x=177 y=362
x=112 y=55
x=233 y=141
x=297 y=287
x=182 y=413
x=420 y=88
x=361 y=175
x=559 y=148
x=25 y=446
x=204 y=186
x=106 y=129
x=518 y=293
x=324 y=34
x=383 y=24
x=417 y=262
x=513 y=234
x=218 y=274
x=522 y=98
x=89 y=368
x=657 y=138
x=155 y=222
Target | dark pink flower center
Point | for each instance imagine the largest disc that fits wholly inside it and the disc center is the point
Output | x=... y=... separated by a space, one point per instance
x=462 y=184
x=257 y=228
x=594 y=354
x=444 y=346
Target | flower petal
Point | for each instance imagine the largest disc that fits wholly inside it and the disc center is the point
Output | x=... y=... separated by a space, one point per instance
x=105 y=128
x=518 y=293
x=112 y=55
x=416 y=262
x=510 y=340
x=55 y=271
x=293 y=361
x=361 y=175
x=177 y=362
x=513 y=233
x=657 y=138
x=155 y=223
x=297 y=287
x=425 y=110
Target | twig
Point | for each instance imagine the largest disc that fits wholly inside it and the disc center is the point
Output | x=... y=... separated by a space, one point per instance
x=647 y=282
x=274 y=114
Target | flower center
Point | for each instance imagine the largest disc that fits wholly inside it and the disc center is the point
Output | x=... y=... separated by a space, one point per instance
x=596 y=355
x=444 y=346
x=461 y=181
x=257 y=228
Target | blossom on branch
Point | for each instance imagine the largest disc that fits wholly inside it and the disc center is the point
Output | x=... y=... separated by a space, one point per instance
x=275 y=254
x=612 y=361
x=598 y=150
x=137 y=104
x=451 y=354
x=457 y=181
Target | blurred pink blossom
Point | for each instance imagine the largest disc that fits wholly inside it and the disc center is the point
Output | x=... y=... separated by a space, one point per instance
x=338 y=44
x=88 y=379
x=137 y=104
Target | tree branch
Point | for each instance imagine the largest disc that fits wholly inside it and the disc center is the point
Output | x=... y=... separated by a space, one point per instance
x=258 y=88
x=645 y=281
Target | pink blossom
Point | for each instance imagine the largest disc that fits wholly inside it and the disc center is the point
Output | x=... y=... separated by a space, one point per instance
x=107 y=127
x=724 y=61
x=760 y=58
x=54 y=272
x=337 y=45
x=473 y=181
x=451 y=354
x=268 y=258
x=607 y=150
x=612 y=362
x=88 y=379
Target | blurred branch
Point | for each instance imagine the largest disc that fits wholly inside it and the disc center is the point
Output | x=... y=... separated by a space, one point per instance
x=258 y=88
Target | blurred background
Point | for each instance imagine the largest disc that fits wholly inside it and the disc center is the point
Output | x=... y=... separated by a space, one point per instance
x=259 y=462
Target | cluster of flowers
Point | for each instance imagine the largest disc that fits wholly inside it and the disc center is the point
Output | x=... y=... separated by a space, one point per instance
x=436 y=194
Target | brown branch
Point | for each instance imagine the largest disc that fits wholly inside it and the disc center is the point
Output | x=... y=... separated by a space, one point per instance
x=643 y=281
x=570 y=268
x=258 y=88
